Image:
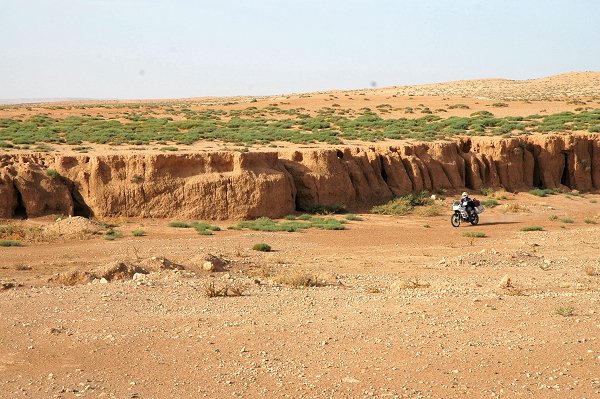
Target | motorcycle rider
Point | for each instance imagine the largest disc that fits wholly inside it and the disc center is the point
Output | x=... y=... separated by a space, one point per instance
x=467 y=203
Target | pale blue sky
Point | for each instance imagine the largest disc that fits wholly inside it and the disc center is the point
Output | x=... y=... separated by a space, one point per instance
x=184 y=48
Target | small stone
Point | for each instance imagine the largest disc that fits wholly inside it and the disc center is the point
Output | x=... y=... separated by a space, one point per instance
x=208 y=266
x=505 y=282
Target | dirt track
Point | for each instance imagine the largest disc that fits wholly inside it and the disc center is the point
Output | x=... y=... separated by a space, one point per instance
x=360 y=335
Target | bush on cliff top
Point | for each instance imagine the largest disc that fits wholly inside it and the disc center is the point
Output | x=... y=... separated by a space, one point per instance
x=263 y=126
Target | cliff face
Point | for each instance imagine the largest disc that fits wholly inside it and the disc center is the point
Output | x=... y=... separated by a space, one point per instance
x=232 y=185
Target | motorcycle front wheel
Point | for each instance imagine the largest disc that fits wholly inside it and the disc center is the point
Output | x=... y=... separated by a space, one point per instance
x=474 y=219
x=455 y=220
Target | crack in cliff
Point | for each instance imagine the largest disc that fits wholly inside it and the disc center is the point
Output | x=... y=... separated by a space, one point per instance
x=382 y=171
x=409 y=172
x=565 y=178
x=20 y=211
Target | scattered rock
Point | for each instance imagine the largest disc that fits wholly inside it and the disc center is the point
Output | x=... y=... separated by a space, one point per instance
x=208 y=266
x=159 y=263
x=407 y=284
x=505 y=282
x=117 y=271
x=72 y=277
x=209 y=263
x=103 y=274
x=55 y=330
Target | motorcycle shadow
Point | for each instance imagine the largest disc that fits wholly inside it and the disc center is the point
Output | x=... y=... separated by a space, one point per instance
x=496 y=223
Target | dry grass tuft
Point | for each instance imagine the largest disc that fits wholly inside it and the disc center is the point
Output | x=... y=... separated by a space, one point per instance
x=295 y=278
x=565 y=311
x=213 y=291
x=22 y=233
x=515 y=208
x=430 y=210
x=236 y=289
x=500 y=194
x=260 y=272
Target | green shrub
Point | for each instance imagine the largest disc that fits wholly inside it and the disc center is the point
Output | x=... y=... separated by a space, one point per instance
x=267 y=224
x=353 y=217
x=138 y=233
x=204 y=229
x=589 y=221
x=553 y=217
x=181 y=225
x=460 y=106
x=532 y=228
x=10 y=243
x=52 y=173
x=112 y=234
x=321 y=209
x=397 y=206
x=403 y=205
x=542 y=192
x=487 y=191
x=262 y=126
x=477 y=234
x=490 y=203
x=262 y=247
x=567 y=220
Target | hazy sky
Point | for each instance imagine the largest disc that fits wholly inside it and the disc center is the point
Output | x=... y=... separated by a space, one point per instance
x=185 y=48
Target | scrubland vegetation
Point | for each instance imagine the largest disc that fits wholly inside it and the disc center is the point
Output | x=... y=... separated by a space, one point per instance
x=181 y=126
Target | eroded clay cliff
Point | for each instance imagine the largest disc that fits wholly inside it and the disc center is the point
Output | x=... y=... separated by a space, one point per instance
x=233 y=185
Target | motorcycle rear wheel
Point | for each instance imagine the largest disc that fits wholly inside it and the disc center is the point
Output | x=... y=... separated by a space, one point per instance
x=455 y=220
x=475 y=219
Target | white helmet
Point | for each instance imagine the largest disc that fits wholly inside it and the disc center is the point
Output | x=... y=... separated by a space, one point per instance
x=465 y=194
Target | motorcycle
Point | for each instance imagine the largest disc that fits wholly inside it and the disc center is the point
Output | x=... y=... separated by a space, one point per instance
x=461 y=215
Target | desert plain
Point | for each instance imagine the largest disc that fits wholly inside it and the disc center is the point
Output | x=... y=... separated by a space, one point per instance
x=110 y=302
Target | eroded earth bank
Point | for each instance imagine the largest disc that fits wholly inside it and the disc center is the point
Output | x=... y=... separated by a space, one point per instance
x=238 y=185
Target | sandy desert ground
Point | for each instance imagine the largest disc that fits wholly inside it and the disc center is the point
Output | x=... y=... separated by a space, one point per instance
x=398 y=307
x=403 y=310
